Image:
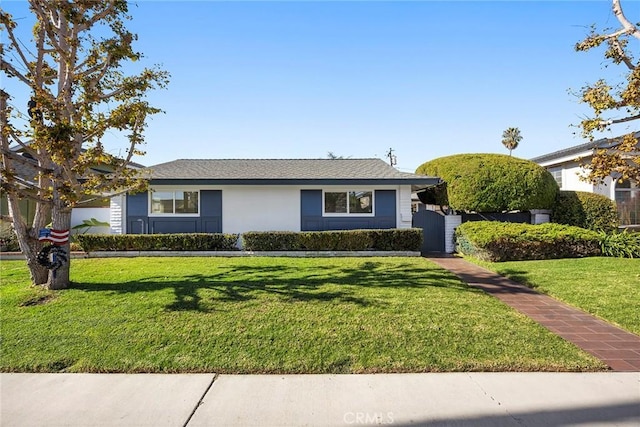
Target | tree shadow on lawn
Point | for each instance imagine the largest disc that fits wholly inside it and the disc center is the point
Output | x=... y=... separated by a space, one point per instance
x=521 y=277
x=242 y=283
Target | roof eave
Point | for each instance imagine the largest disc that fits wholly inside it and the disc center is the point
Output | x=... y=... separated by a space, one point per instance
x=426 y=181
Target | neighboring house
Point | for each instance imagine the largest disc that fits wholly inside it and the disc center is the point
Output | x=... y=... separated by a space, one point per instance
x=236 y=196
x=565 y=167
x=98 y=208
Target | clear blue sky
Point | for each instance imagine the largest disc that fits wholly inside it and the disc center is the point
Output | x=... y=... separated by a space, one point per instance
x=298 y=79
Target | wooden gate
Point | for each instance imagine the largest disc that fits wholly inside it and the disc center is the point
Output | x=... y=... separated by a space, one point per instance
x=432 y=224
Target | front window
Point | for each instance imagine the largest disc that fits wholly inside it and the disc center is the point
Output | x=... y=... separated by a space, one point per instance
x=348 y=202
x=628 y=202
x=174 y=202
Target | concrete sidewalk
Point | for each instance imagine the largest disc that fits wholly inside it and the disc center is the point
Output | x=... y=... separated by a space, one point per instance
x=432 y=399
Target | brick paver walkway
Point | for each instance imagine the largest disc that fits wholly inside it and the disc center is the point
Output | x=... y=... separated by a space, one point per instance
x=616 y=347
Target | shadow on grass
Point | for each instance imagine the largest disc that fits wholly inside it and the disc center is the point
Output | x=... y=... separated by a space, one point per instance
x=521 y=277
x=241 y=283
x=505 y=282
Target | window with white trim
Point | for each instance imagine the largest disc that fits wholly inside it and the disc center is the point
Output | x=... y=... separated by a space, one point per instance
x=557 y=175
x=348 y=202
x=176 y=202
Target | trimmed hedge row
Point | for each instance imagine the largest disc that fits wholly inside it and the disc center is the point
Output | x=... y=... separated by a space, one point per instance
x=351 y=240
x=499 y=241
x=158 y=242
x=586 y=210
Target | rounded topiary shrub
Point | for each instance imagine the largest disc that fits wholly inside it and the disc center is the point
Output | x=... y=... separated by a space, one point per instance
x=492 y=183
x=586 y=210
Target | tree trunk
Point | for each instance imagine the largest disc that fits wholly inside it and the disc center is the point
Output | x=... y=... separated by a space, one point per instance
x=27 y=238
x=39 y=274
x=60 y=220
x=59 y=279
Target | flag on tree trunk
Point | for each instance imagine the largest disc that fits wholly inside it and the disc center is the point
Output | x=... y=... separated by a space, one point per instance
x=57 y=237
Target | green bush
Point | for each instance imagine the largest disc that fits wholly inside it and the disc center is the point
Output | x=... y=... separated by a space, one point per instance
x=491 y=183
x=586 y=210
x=270 y=241
x=8 y=239
x=620 y=245
x=406 y=239
x=158 y=242
x=500 y=241
x=349 y=240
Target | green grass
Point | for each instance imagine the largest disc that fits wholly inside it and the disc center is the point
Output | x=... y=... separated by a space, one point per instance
x=606 y=287
x=268 y=315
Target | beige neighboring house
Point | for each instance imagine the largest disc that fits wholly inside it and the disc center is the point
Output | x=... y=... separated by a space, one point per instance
x=565 y=166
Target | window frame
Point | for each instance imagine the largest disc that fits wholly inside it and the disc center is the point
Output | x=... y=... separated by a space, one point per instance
x=634 y=191
x=173 y=191
x=349 y=214
x=558 y=175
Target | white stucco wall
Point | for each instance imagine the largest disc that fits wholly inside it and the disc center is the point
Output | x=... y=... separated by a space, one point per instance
x=571 y=179
x=571 y=182
x=571 y=173
x=607 y=189
x=261 y=208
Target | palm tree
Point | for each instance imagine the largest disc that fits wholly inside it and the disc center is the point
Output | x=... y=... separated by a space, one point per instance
x=510 y=138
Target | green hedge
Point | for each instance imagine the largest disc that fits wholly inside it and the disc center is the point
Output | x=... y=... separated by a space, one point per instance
x=491 y=183
x=499 y=241
x=158 y=242
x=8 y=239
x=350 y=240
x=586 y=210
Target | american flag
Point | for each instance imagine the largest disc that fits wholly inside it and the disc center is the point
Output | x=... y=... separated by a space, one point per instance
x=57 y=237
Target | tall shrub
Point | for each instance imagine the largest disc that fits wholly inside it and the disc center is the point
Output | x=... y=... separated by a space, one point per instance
x=585 y=210
x=492 y=183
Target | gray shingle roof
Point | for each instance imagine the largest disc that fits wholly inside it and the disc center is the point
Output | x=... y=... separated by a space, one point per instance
x=279 y=169
x=580 y=149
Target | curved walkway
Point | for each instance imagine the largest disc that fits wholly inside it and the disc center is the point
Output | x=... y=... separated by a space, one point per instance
x=619 y=349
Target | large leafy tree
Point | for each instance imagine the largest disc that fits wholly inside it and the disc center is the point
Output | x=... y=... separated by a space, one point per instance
x=614 y=103
x=73 y=72
x=511 y=138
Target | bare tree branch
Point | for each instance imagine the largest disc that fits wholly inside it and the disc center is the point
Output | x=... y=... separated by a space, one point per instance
x=98 y=17
x=628 y=27
x=15 y=44
x=10 y=69
x=615 y=43
x=47 y=20
x=623 y=120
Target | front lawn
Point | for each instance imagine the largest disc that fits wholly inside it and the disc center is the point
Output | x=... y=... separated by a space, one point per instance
x=268 y=315
x=606 y=287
